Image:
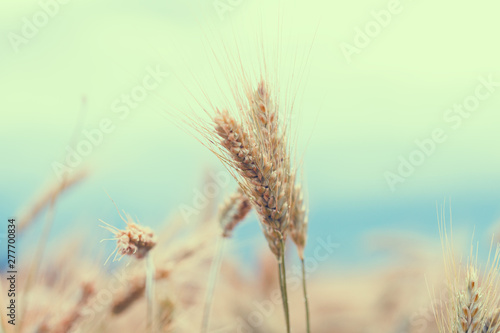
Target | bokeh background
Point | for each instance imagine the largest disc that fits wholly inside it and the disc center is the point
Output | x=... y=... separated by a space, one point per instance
x=358 y=114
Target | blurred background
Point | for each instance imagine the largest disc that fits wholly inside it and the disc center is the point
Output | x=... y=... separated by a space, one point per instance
x=398 y=112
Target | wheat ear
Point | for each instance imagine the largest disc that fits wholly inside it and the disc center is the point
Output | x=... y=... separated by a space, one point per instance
x=261 y=184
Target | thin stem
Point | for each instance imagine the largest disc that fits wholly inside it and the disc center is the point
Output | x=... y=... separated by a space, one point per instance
x=212 y=279
x=282 y=274
x=306 y=301
x=150 y=290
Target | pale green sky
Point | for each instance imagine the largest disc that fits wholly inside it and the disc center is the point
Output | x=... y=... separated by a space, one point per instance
x=362 y=114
